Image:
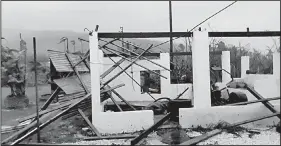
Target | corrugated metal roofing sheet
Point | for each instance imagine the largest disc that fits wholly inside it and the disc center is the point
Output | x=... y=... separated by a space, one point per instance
x=62 y=64
x=71 y=85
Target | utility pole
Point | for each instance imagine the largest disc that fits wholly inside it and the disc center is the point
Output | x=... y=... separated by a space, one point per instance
x=36 y=91
x=171 y=29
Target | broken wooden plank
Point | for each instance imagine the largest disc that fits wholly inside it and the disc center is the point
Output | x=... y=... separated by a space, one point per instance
x=203 y=137
x=254 y=101
x=114 y=101
x=118 y=74
x=51 y=120
x=119 y=96
x=259 y=97
x=29 y=126
x=89 y=123
x=112 y=68
x=138 y=54
x=63 y=106
x=111 y=137
x=150 y=129
x=182 y=93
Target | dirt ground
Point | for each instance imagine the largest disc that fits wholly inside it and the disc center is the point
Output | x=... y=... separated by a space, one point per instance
x=70 y=131
x=9 y=116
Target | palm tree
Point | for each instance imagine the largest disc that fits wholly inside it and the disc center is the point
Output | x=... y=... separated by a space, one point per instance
x=13 y=76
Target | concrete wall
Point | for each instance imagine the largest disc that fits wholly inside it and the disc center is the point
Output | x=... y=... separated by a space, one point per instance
x=111 y=122
x=132 y=92
x=206 y=116
x=267 y=85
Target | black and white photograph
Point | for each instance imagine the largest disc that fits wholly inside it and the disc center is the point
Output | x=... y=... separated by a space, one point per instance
x=140 y=73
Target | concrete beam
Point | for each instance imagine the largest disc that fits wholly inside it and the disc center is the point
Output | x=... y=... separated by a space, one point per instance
x=201 y=70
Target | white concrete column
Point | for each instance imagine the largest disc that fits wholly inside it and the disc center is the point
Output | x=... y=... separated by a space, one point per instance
x=245 y=65
x=95 y=74
x=201 y=70
x=276 y=65
x=165 y=83
x=225 y=63
x=101 y=61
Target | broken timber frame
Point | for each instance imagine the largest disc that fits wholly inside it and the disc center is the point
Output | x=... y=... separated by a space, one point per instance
x=129 y=76
x=156 y=125
x=111 y=51
x=108 y=71
x=138 y=54
x=67 y=105
x=111 y=79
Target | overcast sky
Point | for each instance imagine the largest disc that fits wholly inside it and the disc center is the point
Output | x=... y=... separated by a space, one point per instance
x=140 y=16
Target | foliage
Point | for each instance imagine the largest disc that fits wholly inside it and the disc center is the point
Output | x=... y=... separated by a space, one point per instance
x=10 y=64
x=259 y=63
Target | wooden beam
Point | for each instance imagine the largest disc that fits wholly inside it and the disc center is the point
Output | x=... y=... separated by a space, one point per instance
x=77 y=74
x=89 y=123
x=158 y=54
x=112 y=68
x=111 y=137
x=142 y=57
x=150 y=129
x=133 y=62
x=189 y=34
x=259 y=97
x=51 y=120
x=254 y=101
x=65 y=105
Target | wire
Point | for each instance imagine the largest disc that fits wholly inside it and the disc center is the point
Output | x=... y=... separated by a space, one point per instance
x=199 y=23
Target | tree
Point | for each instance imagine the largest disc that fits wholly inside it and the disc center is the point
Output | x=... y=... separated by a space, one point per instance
x=13 y=76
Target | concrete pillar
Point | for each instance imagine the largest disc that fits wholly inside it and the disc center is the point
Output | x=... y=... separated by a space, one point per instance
x=165 y=83
x=95 y=74
x=276 y=65
x=225 y=63
x=201 y=70
x=245 y=62
x=101 y=61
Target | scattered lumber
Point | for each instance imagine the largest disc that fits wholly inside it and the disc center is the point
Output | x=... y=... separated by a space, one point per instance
x=89 y=123
x=111 y=137
x=259 y=97
x=200 y=138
